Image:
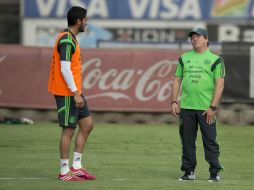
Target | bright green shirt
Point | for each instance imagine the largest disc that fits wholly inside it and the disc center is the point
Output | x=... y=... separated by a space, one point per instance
x=198 y=73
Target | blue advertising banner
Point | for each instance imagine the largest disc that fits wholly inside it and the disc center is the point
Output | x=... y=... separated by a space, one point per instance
x=122 y=9
x=144 y=9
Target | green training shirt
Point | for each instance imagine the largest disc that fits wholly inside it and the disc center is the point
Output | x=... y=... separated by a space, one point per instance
x=198 y=73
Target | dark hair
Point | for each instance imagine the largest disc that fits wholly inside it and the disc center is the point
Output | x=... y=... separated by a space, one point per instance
x=207 y=42
x=75 y=13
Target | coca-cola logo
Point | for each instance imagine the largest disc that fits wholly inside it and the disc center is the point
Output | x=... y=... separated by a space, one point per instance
x=154 y=82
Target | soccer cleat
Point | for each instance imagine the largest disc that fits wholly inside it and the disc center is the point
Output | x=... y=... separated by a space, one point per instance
x=214 y=177
x=188 y=176
x=82 y=173
x=70 y=177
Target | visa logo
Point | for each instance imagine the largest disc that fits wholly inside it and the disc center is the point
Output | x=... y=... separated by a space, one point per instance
x=58 y=8
x=117 y=9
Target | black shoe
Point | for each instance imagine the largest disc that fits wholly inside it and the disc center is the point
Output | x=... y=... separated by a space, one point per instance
x=188 y=176
x=214 y=177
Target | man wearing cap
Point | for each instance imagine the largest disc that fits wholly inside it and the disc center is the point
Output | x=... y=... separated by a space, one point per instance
x=201 y=74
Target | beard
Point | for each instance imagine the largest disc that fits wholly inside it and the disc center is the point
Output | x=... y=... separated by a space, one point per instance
x=82 y=28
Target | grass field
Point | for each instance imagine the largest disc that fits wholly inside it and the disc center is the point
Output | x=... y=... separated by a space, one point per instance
x=123 y=157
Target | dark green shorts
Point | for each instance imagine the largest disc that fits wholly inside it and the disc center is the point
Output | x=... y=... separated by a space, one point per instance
x=68 y=113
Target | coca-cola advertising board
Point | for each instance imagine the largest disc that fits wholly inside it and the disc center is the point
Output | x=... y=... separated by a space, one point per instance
x=113 y=80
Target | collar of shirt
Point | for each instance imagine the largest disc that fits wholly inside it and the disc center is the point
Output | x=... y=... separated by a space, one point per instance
x=67 y=30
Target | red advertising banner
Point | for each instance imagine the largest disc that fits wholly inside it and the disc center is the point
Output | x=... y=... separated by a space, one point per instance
x=113 y=80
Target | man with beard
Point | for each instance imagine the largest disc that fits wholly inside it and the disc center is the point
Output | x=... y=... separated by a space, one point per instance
x=65 y=83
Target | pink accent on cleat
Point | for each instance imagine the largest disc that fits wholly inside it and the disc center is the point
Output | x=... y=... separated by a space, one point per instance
x=70 y=177
x=82 y=173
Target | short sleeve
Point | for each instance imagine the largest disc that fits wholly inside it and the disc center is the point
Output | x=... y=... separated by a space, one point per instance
x=219 y=70
x=179 y=68
x=66 y=47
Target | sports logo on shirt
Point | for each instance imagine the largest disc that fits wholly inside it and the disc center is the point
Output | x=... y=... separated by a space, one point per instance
x=207 y=61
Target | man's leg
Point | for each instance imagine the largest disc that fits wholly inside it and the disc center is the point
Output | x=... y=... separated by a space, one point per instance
x=64 y=146
x=65 y=141
x=85 y=127
x=188 y=134
x=68 y=117
x=64 y=107
x=211 y=147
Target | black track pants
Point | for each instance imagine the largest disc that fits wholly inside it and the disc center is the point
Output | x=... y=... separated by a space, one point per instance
x=189 y=121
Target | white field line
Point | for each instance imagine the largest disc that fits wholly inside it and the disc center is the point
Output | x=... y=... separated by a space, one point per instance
x=22 y=178
x=120 y=179
x=34 y=178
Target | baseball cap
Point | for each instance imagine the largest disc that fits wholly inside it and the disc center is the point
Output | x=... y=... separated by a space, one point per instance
x=200 y=31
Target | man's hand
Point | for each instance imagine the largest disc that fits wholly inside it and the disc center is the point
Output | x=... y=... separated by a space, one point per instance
x=78 y=99
x=210 y=116
x=175 y=109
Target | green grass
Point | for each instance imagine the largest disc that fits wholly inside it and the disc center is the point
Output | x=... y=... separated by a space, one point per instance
x=123 y=157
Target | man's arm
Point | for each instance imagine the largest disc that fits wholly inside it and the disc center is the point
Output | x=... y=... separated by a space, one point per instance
x=210 y=114
x=174 y=94
x=219 y=85
x=68 y=77
x=218 y=69
x=66 y=49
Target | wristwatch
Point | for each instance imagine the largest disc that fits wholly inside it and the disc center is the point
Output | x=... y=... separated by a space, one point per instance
x=214 y=108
